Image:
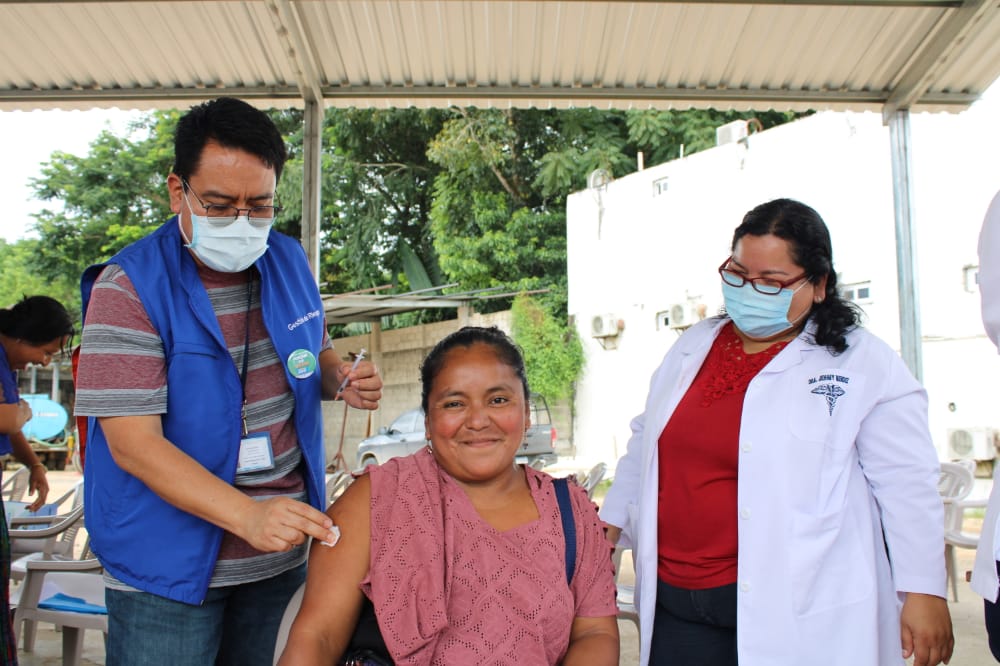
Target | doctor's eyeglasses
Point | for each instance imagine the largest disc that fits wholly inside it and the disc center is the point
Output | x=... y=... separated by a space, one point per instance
x=762 y=285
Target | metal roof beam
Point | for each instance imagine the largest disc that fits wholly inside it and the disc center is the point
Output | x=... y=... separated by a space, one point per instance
x=299 y=49
x=945 y=41
x=442 y=96
x=178 y=97
x=393 y=303
x=916 y=4
x=643 y=94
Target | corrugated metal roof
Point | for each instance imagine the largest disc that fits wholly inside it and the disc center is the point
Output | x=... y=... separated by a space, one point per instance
x=373 y=304
x=924 y=54
x=348 y=308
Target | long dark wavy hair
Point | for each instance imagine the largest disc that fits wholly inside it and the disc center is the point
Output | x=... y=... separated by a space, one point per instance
x=809 y=241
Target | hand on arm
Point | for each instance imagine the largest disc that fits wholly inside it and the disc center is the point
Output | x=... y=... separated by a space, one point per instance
x=364 y=387
x=926 y=629
x=273 y=525
x=593 y=641
x=332 y=602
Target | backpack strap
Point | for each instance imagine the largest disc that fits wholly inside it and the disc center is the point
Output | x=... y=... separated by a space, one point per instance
x=568 y=524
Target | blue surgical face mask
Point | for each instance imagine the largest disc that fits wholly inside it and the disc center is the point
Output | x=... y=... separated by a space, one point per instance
x=227 y=245
x=760 y=315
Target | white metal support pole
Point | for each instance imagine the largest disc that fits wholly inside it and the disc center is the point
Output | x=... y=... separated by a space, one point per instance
x=906 y=242
x=55 y=393
x=312 y=156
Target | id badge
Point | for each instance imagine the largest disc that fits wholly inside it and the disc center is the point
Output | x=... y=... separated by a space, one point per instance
x=255 y=453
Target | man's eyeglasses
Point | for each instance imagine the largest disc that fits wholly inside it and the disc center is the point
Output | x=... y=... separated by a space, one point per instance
x=763 y=285
x=224 y=214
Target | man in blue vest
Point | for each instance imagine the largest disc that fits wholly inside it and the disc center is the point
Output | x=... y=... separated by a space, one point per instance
x=203 y=361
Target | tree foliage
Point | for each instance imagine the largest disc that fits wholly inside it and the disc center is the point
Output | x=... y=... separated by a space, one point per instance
x=410 y=198
x=20 y=278
x=109 y=197
x=377 y=198
x=553 y=354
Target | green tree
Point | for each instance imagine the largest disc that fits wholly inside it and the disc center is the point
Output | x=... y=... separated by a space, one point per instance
x=553 y=354
x=20 y=278
x=411 y=198
x=377 y=198
x=116 y=194
x=498 y=214
x=491 y=226
x=109 y=197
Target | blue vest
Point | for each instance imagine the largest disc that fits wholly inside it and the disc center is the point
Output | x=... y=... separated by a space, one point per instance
x=11 y=396
x=141 y=539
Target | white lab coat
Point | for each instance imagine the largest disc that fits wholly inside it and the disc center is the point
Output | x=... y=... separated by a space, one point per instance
x=814 y=583
x=984 y=572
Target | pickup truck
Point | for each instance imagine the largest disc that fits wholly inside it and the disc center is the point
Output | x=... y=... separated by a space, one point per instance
x=405 y=435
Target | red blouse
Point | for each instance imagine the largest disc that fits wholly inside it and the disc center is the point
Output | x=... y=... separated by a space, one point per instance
x=698 y=462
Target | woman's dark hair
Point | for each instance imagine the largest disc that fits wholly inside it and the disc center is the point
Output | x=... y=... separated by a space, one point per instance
x=506 y=351
x=809 y=240
x=232 y=123
x=36 y=320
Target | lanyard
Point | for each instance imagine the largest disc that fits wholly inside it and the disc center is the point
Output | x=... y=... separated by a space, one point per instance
x=246 y=355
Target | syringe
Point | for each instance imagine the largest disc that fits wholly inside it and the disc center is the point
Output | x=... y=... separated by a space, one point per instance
x=357 y=361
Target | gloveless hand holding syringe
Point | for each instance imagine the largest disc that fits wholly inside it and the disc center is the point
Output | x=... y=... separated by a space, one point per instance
x=354 y=366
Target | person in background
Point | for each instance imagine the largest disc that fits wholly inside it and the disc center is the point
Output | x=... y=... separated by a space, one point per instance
x=203 y=361
x=779 y=491
x=32 y=331
x=984 y=571
x=460 y=550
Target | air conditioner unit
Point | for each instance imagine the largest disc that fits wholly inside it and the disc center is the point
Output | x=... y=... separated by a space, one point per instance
x=606 y=326
x=732 y=132
x=683 y=315
x=972 y=443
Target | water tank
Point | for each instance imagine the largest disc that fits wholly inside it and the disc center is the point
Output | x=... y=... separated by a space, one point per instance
x=48 y=417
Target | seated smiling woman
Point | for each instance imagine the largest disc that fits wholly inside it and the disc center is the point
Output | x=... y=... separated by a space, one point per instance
x=460 y=550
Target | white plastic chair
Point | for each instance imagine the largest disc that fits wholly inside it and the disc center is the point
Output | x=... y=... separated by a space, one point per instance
x=45 y=578
x=52 y=536
x=15 y=485
x=593 y=477
x=336 y=484
x=626 y=593
x=56 y=542
x=538 y=464
x=291 y=610
x=954 y=486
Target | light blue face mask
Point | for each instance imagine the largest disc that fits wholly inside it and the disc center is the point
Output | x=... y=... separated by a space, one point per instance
x=760 y=315
x=229 y=245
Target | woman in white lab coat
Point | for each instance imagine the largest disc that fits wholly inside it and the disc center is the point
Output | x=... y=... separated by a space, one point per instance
x=984 y=573
x=780 y=489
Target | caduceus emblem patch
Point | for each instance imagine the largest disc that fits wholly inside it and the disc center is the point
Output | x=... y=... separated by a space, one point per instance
x=830 y=389
x=831 y=392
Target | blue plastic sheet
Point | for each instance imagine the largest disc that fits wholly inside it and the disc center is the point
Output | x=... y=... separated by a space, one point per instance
x=64 y=602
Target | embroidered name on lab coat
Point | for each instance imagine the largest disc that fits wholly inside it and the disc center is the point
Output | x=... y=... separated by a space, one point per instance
x=830 y=389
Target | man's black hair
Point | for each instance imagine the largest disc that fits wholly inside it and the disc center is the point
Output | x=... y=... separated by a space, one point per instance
x=232 y=123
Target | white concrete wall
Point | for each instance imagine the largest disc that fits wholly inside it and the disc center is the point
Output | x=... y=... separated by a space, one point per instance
x=632 y=252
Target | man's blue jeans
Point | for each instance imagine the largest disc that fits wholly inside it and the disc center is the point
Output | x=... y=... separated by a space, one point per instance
x=235 y=625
